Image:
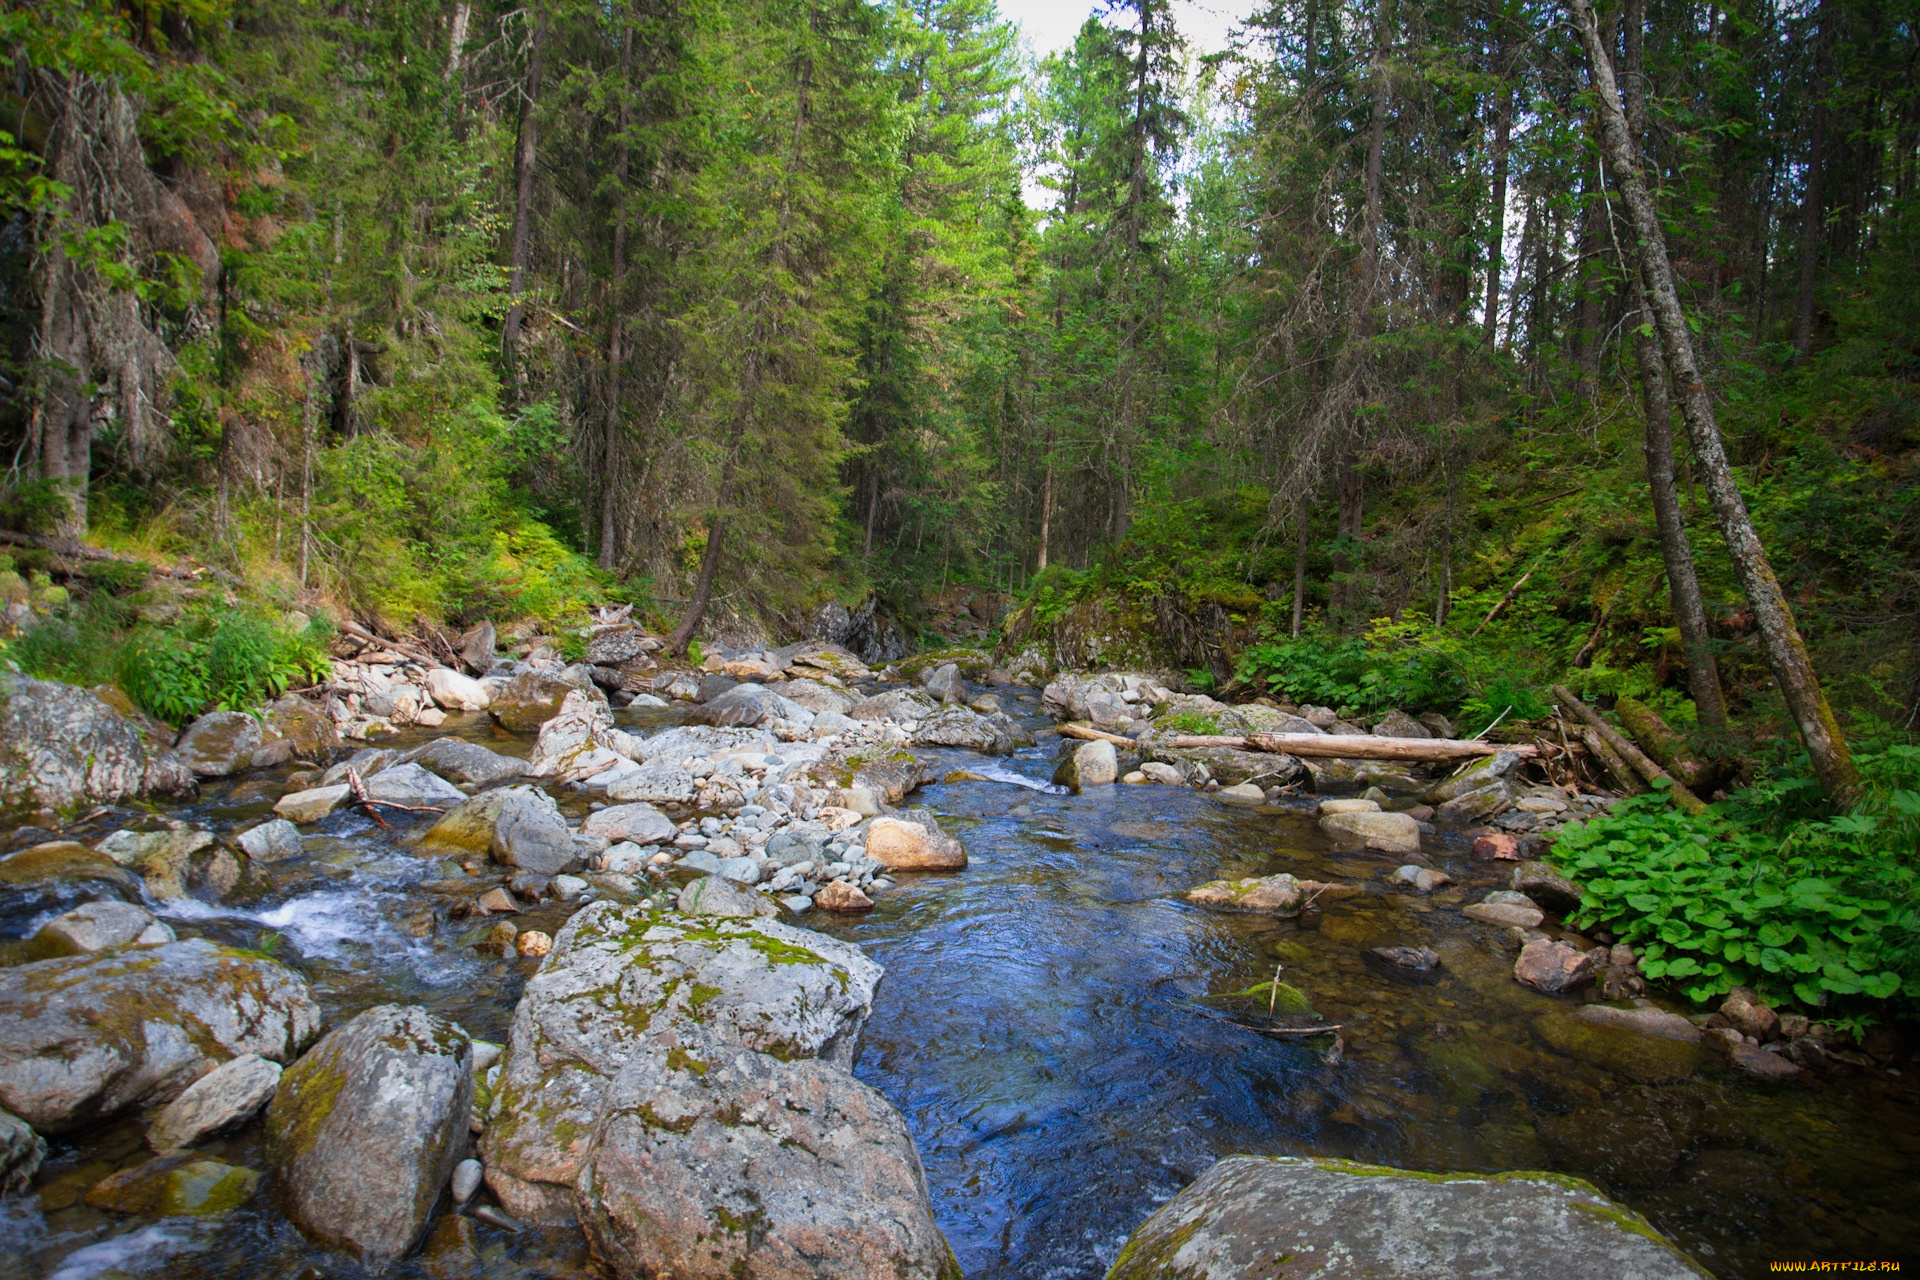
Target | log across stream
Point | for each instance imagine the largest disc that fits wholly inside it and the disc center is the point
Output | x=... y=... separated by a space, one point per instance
x=1041 y=1027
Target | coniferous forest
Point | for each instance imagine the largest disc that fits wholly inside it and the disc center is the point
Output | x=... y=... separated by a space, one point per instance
x=1551 y=366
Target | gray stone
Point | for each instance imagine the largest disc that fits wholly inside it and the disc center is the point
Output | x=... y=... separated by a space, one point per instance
x=312 y=804
x=531 y=699
x=517 y=827
x=742 y=869
x=460 y=761
x=21 y=1151
x=62 y=747
x=274 y=840
x=656 y=782
x=1505 y=914
x=466 y=1180
x=956 y=726
x=1092 y=764
x=86 y=1038
x=220 y=743
x=684 y=1093
x=1398 y=724
x=945 y=683
x=98 y=926
x=366 y=762
x=817 y=697
x=1477 y=805
x=900 y=705
x=1354 y=1220
x=702 y=861
x=721 y=895
x=367 y=1128
x=1648 y=1021
x=1554 y=967
x=1474 y=775
x=611 y=646
x=1425 y=879
x=1388 y=832
x=457 y=692
x=638 y=823
x=163 y=858
x=58 y=875
x=1243 y=793
x=225 y=1098
x=1546 y=886
x=414 y=787
x=740 y=707
x=785 y=848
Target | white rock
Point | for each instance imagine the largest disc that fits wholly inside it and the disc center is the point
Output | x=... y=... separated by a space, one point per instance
x=456 y=692
x=466 y=1180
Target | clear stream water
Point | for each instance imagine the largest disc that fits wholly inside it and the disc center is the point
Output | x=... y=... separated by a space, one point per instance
x=1042 y=1029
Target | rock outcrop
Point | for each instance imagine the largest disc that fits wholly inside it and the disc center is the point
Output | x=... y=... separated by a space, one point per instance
x=366 y=1129
x=680 y=1087
x=85 y=1038
x=62 y=747
x=1243 y=1217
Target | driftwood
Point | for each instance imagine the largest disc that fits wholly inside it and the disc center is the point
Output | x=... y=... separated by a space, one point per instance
x=1353 y=746
x=1642 y=764
x=1622 y=773
x=361 y=633
x=1095 y=735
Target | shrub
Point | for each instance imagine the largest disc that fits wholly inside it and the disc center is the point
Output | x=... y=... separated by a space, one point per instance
x=230 y=661
x=1814 y=908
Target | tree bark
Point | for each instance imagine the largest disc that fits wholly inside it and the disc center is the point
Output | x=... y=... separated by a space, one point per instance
x=1812 y=217
x=1786 y=650
x=1300 y=545
x=616 y=352
x=524 y=156
x=709 y=566
x=1046 y=516
x=1497 y=234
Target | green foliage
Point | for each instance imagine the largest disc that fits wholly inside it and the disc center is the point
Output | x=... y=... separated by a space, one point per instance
x=1752 y=892
x=1504 y=699
x=1189 y=722
x=1401 y=665
x=231 y=660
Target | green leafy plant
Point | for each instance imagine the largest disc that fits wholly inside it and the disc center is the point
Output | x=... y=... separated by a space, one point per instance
x=1190 y=722
x=1812 y=908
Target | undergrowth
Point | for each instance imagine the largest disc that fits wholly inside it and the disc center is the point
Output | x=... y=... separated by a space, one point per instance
x=1763 y=889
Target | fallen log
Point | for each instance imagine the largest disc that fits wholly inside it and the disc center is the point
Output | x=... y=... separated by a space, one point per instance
x=1622 y=773
x=1354 y=746
x=361 y=633
x=1095 y=735
x=1642 y=764
x=1667 y=748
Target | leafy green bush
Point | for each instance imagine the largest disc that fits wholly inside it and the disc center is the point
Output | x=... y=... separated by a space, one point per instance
x=230 y=661
x=1747 y=893
x=1503 y=697
x=1190 y=722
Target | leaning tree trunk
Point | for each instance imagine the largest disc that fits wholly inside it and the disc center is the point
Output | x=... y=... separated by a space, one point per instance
x=709 y=567
x=1786 y=649
x=524 y=156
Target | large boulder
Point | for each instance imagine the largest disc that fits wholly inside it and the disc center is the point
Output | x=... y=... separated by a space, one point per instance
x=366 y=1129
x=816 y=697
x=58 y=875
x=639 y=823
x=1475 y=775
x=1247 y=1215
x=913 y=845
x=164 y=859
x=1398 y=724
x=458 y=760
x=1388 y=832
x=307 y=730
x=1229 y=767
x=1092 y=764
x=62 y=747
x=412 y=787
x=580 y=741
x=516 y=826
x=656 y=782
x=85 y=1038
x=532 y=698
x=959 y=727
x=220 y=743
x=455 y=692
x=945 y=683
x=681 y=1089
x=900 y=705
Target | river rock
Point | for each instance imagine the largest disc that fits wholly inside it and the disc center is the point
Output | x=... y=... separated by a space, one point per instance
x=98 y=926
x=1475 y=774
x=1648 y=1020
x=817 y=697
x=1163 y=774
x=220 y=743
x=162 y=858
x=1497 y=846
x=1749 y=1015
x=740 y=707
x=1754 y=1061
x=1281 y=895
x=1349 y=1220
x=455 y=692
x=58 y=875
x=176 y=1185
x=1092 y=764
x=581 y=743
x=1228 y=766
x=611 y=646
x=1505 y=914
x=1425 y=879
x=899 y=705
x=1476 y=806
x=1350 y=804
x=225 y=1098
x=1547 y=887
x=1388 y=832
x=684 y=1094
x=656 y=782
x=1243 y=793
x=85 y=1038
x=274 y=840
x=414 y=787
x=531 y=699
x=638 y=823
x=1398 y=724
x=901 y=845
x=1418 y=962
x=842 y=897
x=62 y=747
x=1554 y=967
x=516 y=826
x=956 y=726
x=366 y=1129
x=307 y=730
x=21 y=1153
x=457 y=760
x=717 y=894
x=312 y=804
x=945 y=683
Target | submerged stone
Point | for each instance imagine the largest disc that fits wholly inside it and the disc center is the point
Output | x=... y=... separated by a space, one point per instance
x=1247 y=1217
x=174 y=1186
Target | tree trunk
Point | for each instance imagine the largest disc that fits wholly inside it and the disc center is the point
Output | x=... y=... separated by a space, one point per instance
x=1300 y=567
x=1811 y=211
x=616 y=353
x=1497 y=234
x=523 y=162
x=1786 y=650
x=709 y=566
x=1351 y=489
x=1682 y=797
x=1046 y=517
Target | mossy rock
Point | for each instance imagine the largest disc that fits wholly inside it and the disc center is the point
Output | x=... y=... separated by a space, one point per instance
x=1641 y=1058
x=973 y=663
x=176 y=1186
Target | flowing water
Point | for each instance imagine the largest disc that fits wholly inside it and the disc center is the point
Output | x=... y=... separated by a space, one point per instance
x=1044 y=1027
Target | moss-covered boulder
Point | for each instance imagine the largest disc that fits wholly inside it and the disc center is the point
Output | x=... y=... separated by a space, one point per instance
x=516 y=826
x=1248 y=1217
x=220 y=743
x=532 y=698
x=174 y=1186
x=1281 y=895
x=58 y=875
x=62 y=747
x=681 y=1087
x=365 y=1130
x=84 y=1038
